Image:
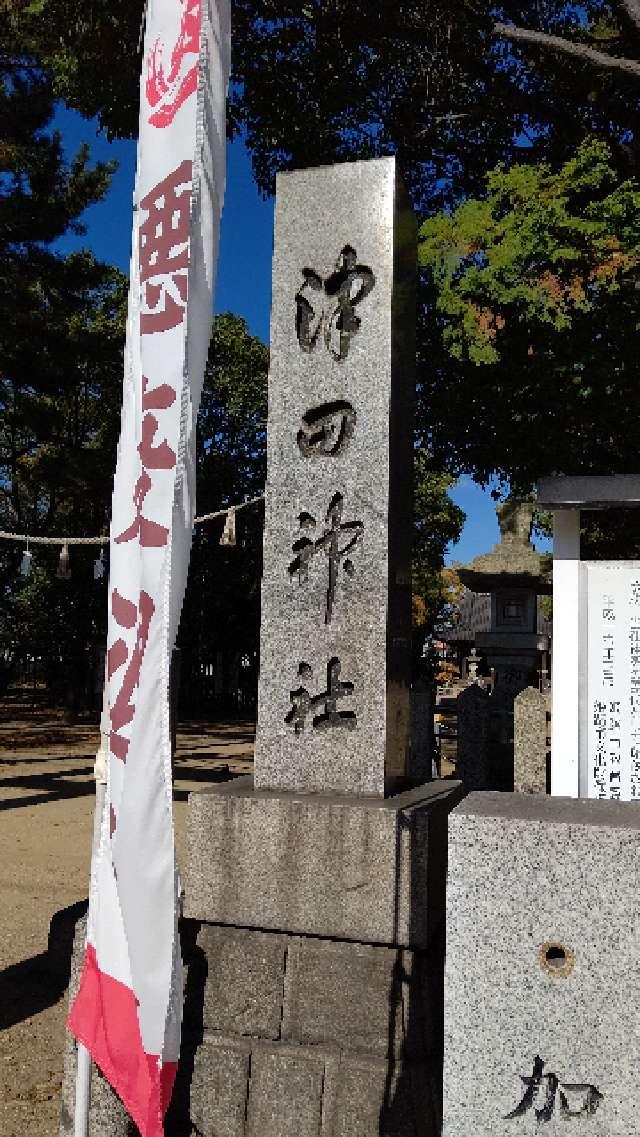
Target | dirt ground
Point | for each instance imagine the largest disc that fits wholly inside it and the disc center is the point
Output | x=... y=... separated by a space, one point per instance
x=46 y=804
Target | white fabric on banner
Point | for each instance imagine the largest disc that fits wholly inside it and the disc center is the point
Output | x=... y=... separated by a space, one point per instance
x=128 y=1009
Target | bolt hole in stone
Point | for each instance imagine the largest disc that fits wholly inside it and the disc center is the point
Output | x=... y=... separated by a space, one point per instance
x=556 y=960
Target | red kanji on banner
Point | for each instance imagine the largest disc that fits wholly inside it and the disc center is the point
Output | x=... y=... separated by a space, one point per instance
x=167 y=93
x=159 y=398
x=127 y=615
x=160 y=457
x=164 y=251
x=152 y=535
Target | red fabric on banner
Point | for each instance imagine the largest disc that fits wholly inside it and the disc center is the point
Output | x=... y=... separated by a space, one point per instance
x=104 y=1018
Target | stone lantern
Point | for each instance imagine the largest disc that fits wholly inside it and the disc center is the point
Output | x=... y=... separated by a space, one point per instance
x=514 y=575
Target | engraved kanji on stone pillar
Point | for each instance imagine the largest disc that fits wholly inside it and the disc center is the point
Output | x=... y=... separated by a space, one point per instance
x=336 y=593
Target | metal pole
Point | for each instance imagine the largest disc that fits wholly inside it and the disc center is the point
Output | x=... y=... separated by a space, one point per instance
x=83 y=1092
x=83 y=1057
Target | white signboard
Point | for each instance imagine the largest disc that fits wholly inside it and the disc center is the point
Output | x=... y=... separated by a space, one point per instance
x=611 y=701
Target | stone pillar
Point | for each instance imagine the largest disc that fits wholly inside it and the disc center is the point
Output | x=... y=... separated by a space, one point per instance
x=541 y=992
x=422 y=732
x=333 y=694
x=472 y=762
x=530 y=749
x=320 y=888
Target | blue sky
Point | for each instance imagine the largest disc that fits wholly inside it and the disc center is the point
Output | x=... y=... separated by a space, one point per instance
x=244 y=271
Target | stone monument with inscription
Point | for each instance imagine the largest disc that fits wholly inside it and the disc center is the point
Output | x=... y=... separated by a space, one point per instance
x=319 y=885
x=333 y=704
x=542 y=986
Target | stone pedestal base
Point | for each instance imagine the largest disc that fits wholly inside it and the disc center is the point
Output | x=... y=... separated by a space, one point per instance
x=314 y=948
x=303 y=1037
x=329 y=1023
x=347 y=867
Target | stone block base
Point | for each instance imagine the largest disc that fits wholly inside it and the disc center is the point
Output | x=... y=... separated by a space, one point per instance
x=542 y=978
x=354 y=868
x=308 y=1038
x=290 y=1091
x=288 y=1036
x=287 y=1031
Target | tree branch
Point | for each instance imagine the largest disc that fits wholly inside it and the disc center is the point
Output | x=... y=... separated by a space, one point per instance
x=580 y=51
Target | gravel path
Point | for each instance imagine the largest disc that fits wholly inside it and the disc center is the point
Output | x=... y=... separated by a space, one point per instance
x=46 y=807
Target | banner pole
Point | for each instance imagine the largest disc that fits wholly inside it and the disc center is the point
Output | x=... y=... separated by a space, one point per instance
x=83 y=1092
x=83 y=1057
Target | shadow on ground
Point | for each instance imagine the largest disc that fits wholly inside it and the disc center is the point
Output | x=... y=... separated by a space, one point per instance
x=28 y=987
x=54 y=786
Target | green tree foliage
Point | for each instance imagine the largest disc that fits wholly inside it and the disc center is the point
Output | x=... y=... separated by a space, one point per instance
x=532 y=364
x=443 y=85
x=61 y=321
x=438 y=522
x=61 y=341
x=451 y=86
x=60 y=317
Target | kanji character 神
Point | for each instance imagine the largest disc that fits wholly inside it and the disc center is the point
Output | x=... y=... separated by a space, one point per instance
x=329 y=543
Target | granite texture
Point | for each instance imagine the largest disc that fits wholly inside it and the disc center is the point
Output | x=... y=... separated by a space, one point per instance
x=472 y=762
x=315 y=1092
x=336 y=589
x=340 y=993
x=530 y=873
x=364 y=1098
x=357 y=1053
x=530 y=748
x=285 y=1095
x=219 y=1087
x=369 y=869
x=243 y=992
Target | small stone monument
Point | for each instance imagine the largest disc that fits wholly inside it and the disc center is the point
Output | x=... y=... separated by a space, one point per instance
x=514 y=575
x=541 y=992
x=473 y=749
x=530 y=749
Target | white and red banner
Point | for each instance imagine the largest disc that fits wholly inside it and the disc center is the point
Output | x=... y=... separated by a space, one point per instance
x=129 y=1006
